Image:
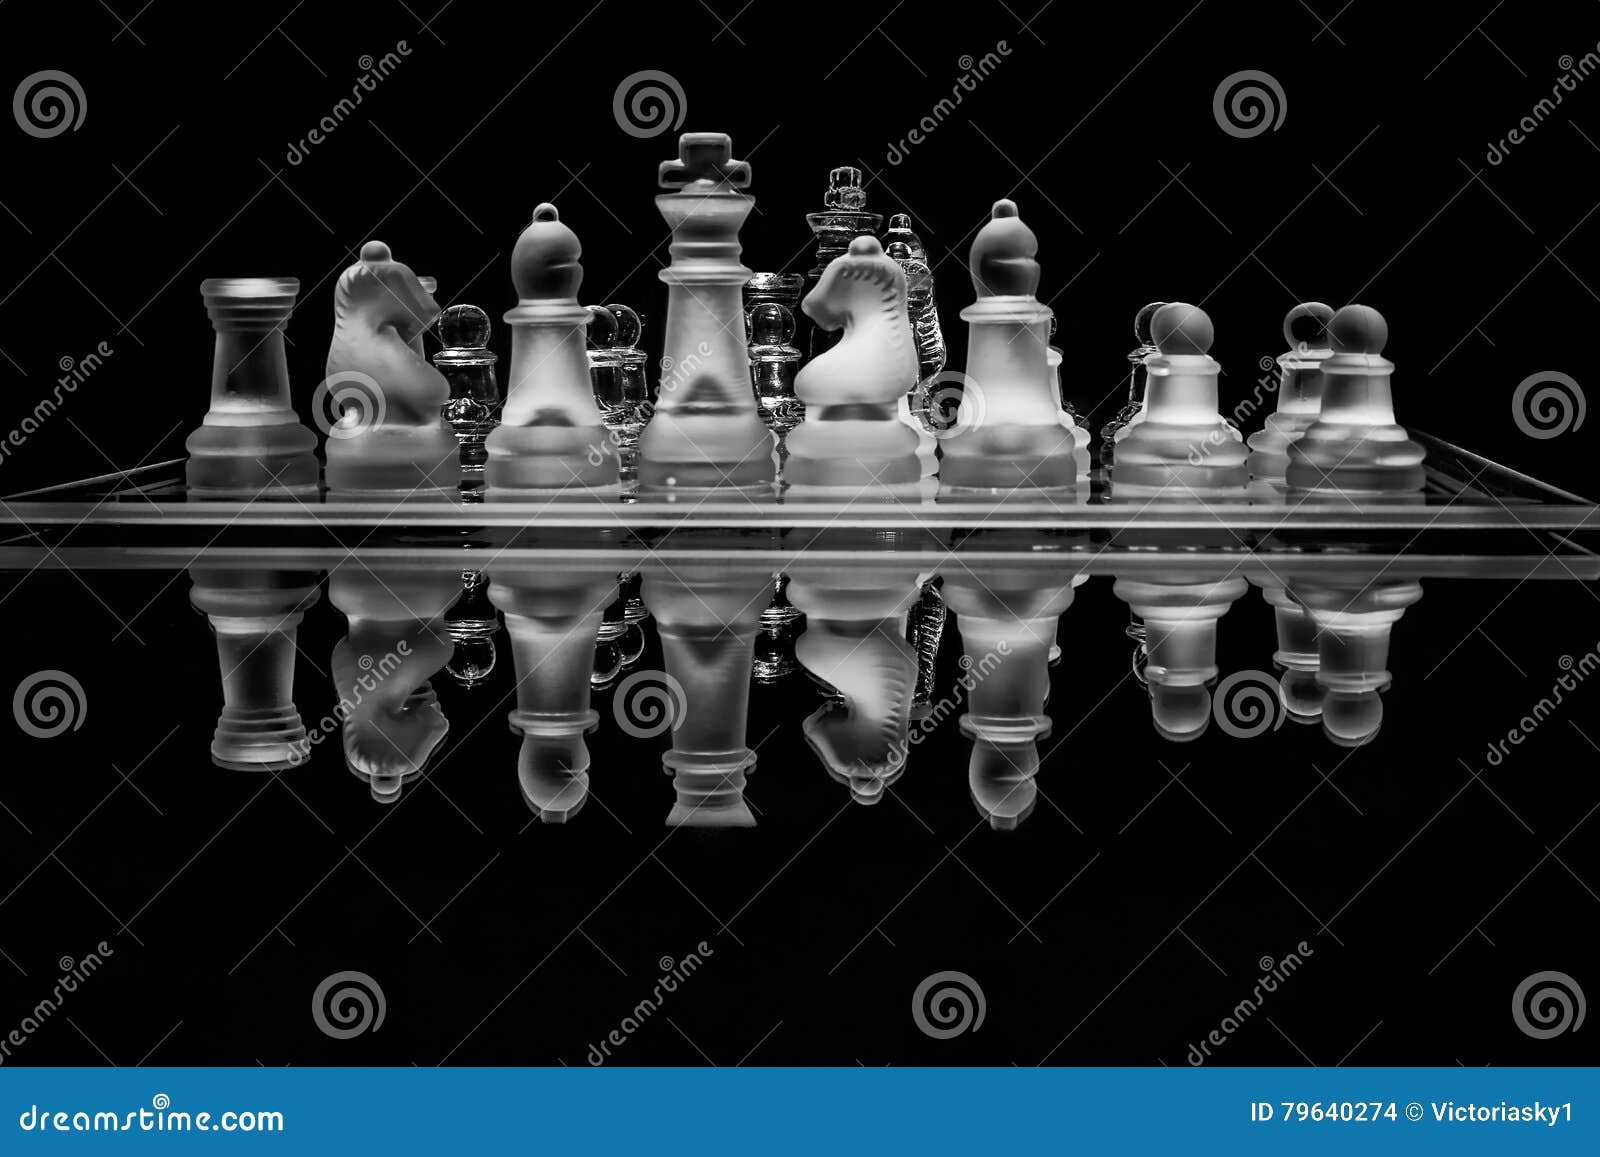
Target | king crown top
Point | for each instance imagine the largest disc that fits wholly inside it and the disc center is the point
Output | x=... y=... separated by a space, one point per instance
x=1002 y=261
x=1179 y=329
x=844 y=189
x=705 y=162
x=544 y=264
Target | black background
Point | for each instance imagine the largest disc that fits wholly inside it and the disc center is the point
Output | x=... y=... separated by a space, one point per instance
x=227 y=905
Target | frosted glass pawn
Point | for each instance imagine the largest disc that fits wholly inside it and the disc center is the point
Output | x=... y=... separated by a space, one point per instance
x=1300 y=383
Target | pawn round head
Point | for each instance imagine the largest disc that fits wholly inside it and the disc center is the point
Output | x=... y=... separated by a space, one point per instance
x=1301 y=696
x=1358 y=329
x=1002 y=261
x=771 y=324
x=1180 y=713
x=1141 y=322
x=1352 y=718
x=1179 y=328
x=900 y=223
x=602 y=328
x=629 y=327
x=544 y=264
x=1305 y=327
x=375 y=251
x=464 y=327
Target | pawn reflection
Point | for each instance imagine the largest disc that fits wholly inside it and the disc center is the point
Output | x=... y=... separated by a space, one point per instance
x=473 y=624
x=1007 y=617
x=553 y=615
x=398 y=639
x=255 y=615
x=1298 y=689
x=1354 y=617
x=854 y=643
x=708 y=615
x=1180 y=614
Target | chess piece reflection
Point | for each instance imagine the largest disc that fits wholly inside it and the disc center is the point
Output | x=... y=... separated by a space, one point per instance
x=1180 y=445
x=707 y=615
x=924 y=630
x=843 y=218
x=853 y=436
x=781 y=624
x=550 y=436
x=705 y=431
x=473 y=623
x=854 y=646
x=254 y=615
x=620 y=642
x=553 y=615
x=251 y=442
x=1180 y=614
x=1355 y=447
x=390 y=436
x=468 y=366
x=1305 y=328
x=1138 y=376
x=1008 y=434
x=1007 y=618
x=1354 y=616
x=1296 y=654
x=398 y=639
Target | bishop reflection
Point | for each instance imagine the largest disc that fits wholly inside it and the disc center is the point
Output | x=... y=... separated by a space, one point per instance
x=890 y=657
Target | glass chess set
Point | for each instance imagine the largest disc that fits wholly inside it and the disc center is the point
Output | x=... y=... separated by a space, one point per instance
x=757 y=510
